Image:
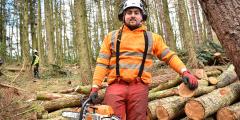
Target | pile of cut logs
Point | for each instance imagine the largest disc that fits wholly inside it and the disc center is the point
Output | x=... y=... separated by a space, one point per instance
x=217 y=97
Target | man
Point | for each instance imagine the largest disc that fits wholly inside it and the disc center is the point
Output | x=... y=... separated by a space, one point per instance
x=126 y=59
x=35 y=62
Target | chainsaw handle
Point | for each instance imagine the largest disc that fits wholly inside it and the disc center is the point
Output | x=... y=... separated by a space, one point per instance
x=83 y=106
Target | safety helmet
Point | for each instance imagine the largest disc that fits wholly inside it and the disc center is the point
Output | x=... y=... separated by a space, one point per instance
x=35 y=51
x=132 y=3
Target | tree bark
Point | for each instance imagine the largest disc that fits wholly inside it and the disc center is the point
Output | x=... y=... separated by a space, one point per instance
x=224 y=19
x=52 y=96
x=208 y=104
x=162 y=94
x=64 y=102
x=229 y=113
x=227 y=77
x=82 y=38
x=49 y=30
x=187 y=35
x=166 y=85
x=168 y=30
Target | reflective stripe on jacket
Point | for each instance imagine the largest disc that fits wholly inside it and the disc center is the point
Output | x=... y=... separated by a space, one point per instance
x=36 y=61
x=131 y=54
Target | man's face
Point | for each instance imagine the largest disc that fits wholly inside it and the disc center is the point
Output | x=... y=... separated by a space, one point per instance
x=133 y=17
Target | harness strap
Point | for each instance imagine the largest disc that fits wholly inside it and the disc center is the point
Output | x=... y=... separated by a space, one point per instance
x=118 y=54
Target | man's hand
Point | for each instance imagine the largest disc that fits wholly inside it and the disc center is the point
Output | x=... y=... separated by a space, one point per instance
x=190 y=80
x=94 y=95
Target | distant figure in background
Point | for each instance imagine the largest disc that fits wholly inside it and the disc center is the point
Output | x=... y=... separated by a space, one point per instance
x=35 y=62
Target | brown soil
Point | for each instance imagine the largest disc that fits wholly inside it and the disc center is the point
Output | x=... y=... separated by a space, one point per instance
x=17 y=92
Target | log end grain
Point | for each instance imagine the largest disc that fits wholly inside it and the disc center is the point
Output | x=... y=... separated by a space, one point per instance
x=184 y=91
x=225 y=114
x=162 y=113
x=194 y=110
x=213 y=80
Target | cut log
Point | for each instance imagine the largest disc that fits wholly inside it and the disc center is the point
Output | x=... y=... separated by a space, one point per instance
x=201 y=90
x=213 y=73
x=162 y=94
x=86 y=89
x=66 y=91
x=51 y=96
x=64 y=102
x=153 y=104
x=227 y=77
x=203 y=82
x=166 y=85
x=171 y=109
x=163 y=78
x=14 y=69
x=213 y=80
x=184 y=91
x=83 y=89
x=229 y=113
x=208 y=118
x=149 y=115
x=56 y=113
x=208 y=104
x=199 y=73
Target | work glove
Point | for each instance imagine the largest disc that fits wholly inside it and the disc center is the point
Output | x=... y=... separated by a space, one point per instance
x=94 y=95
x=190 y=80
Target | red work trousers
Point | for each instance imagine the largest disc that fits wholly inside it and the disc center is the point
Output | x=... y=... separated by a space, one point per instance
x=128 y=100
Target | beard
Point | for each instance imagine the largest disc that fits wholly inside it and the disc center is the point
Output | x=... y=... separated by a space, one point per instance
x=133 y=24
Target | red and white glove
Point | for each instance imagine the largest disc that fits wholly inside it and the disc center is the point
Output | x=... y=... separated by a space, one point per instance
x=189 y=80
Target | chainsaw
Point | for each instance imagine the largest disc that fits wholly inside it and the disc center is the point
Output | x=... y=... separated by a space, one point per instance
x=92 y=112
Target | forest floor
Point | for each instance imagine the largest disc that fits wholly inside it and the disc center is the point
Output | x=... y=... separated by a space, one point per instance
x=18 y=89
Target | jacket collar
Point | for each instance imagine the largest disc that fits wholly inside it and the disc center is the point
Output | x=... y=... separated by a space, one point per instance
x=140 y=29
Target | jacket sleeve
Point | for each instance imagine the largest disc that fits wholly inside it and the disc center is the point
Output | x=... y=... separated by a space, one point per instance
x=163 y=52
x=103 y=61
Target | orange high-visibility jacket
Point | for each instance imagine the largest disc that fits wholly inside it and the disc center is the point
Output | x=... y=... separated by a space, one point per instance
x=131 y=55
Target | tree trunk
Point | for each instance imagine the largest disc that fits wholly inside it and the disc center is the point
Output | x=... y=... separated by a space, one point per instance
x=33 y=25
x=186 y=34
x=3 y=47
x=25 y=41
x=169 y=31
x=224 y=19
x=200 y=30
x=39 y=35
x=229 y=113
x=208 y=104
x=49 y=30
x=194 y=23
x=116 y=23
x=82 y=38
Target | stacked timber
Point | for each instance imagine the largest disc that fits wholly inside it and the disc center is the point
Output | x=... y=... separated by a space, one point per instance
x=208 y=104
x=229 y=113
x=215 y=96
